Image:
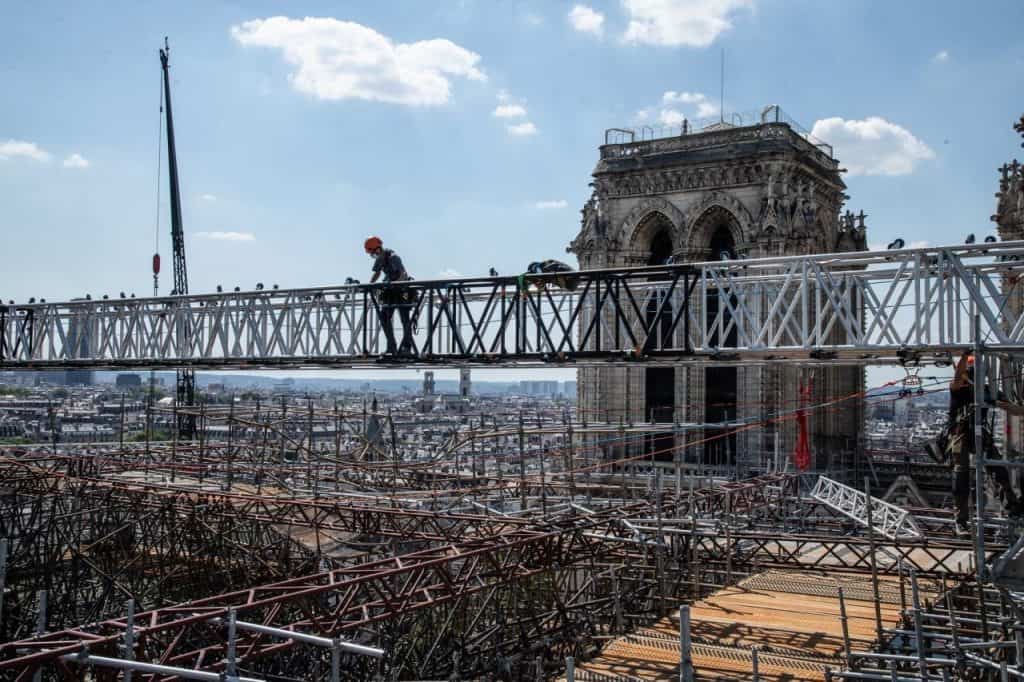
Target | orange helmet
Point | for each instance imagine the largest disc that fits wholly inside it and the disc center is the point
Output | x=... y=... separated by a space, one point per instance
x=372 y=244
x=970 y=360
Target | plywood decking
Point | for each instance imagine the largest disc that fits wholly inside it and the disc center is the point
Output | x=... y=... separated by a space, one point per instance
x=792 y=618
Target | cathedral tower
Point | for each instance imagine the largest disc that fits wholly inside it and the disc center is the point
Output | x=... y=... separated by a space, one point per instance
x=747 y=189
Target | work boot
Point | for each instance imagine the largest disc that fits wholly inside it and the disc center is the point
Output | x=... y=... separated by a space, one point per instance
x=962 y=529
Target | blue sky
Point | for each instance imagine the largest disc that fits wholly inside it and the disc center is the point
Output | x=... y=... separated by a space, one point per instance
x=291 y=154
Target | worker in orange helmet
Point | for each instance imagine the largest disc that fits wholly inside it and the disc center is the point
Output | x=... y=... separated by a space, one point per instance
x=389 y=263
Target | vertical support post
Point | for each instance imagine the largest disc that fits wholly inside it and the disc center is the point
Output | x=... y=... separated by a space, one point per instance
x=149 y=428
x=543 y=483
x=337 y=448
x=230 y=454
x=1018 y=638
x=202 y=439
x=336 y=660
x=40 y=629
x=231 y=668
x=570 y=669
x=903 y=588
x=571 y=460
x=394 y=448
x=776 y=465
x=979 y=456
x=874 y=559
x=120 y=440
x=660 y=549
x=311 y=477
x=523 y=502
x=129 y=629
x=694 y=566
x=617 y=595
x=174 y=441
x=922 y=653
x=685 y=653
x=728 y=537
x=755 y=673
x=846 y=630
x=954 y=631
x=625 y=454
x=3 y=581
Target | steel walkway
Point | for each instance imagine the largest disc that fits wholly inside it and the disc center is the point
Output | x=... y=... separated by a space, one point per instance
x=868 y=307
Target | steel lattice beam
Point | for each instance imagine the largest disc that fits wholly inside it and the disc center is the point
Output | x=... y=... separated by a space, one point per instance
x=851 y=307
x=891 y=521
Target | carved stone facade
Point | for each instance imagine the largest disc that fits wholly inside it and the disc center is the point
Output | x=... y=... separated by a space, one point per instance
x=736 y=192
x=1009 y=219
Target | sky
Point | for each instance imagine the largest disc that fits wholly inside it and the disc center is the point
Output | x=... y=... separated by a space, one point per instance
x=464 y=132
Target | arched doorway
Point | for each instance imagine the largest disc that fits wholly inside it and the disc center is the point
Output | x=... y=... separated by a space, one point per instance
x=659 y=382
x=719 y=226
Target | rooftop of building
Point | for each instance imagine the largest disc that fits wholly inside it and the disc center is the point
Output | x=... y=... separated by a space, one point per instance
x=771 y=122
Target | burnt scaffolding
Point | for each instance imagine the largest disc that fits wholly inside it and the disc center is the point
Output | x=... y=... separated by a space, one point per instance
x=497 y=551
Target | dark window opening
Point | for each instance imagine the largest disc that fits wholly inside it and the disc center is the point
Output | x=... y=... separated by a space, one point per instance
x=660 y=382
x=660 y=400
x=720 y=383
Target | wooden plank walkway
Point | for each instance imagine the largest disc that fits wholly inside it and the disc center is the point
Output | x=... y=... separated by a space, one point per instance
x=792 y=617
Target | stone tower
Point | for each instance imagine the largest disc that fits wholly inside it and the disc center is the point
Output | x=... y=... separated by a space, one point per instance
x=1009 y=219
x=758 y=188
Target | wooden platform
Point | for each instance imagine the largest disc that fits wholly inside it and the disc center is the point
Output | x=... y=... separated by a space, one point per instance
x=792 y=617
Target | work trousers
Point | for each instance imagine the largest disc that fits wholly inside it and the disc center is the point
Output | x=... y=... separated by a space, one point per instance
x=387 y=313
x=962 y=477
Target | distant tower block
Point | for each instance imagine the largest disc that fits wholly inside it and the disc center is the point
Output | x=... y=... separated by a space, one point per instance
x=428 y=383
x=464 y=382
x=747 y=189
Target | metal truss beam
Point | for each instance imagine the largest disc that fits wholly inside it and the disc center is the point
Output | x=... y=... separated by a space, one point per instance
x=938 y=558
x=853 y=307
x=340 y=601
x=319 y=515
x=891 y=521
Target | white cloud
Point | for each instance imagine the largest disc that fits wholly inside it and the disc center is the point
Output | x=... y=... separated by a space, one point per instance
x=228 y=236
x=941 y=56
x=76 y=161
x=693 y=23
x=705 y=107
x=208 y=197
x=507 y=108
x=17 y=148
x=509 y=111
x=872 y=146
x=336 y=60
x=522 y=129
x=556 y=203
x=449 y=273
x=642 y=115
x=587 y=20
x=671 y=117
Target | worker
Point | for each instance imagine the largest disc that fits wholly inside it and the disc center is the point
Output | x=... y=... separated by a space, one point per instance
x=389 y=263
x=960 y=445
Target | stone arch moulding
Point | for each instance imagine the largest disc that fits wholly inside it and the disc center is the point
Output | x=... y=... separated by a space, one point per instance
x=722 y=200
x=634 y=222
